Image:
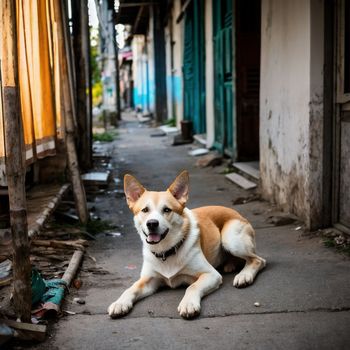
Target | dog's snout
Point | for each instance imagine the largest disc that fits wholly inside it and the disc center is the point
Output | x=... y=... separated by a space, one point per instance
x=152 y=224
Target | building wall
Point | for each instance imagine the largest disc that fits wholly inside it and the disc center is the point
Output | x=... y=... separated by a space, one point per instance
x=291 y=106
x=168 y=57
x=209 y=72
x=176 y=77
x=150 y=58
x=140 y=84
x=108 y=58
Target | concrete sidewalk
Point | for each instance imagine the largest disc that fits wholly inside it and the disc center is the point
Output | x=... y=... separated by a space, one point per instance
x=304 y=292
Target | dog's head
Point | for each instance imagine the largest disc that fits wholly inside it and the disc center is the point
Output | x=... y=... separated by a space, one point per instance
x=158 y=215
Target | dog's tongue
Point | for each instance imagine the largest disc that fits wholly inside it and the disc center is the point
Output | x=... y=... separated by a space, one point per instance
x=154 y=238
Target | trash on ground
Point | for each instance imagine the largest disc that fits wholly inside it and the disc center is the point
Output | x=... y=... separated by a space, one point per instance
x=97 y=271
x=180 y=140
x=6 y=333
x=66 y=216
x=281 y=219
x=91 y=257
x=169 y=129
x=198 y=152
x=77 y=283
x=159 y=133
x=47 y=295
x=131 y=267
x=79 y=301
x=143 y=119
x=96 y=178
x=244 y=200
x=5 y=272
x=256 y=304
x=211 y=159
x=67 y=312
x=113 y=234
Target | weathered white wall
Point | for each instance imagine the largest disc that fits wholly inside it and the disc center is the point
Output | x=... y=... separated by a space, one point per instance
x=178 y=37
x=137 y=46
x=108 y=59
x=291 y=105
x=209 y=72
x=150 y=58
x=168 y=59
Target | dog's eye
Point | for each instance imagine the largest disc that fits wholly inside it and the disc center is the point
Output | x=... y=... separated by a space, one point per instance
x=145 y=210
x=167 y=210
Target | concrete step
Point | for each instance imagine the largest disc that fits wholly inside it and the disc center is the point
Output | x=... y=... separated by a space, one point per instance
x=201 y=139
x=248 y=168
x=241 y=181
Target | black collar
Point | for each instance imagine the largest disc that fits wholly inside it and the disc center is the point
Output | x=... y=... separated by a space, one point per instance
x=171 y=251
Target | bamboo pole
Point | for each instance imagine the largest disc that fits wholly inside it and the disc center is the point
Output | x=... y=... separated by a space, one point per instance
x=73 y=165
x=73 y=267
x=15 y=163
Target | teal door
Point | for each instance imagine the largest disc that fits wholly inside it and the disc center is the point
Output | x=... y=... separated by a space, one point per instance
x=194 y=66
x=223 y=74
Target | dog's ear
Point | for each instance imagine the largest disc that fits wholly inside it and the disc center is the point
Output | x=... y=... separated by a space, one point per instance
x=133 y=190
x=180 y=187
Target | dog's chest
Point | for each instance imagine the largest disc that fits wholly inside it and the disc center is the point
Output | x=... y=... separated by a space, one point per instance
x=179 y=280
x=174 y=273
x=169 y=268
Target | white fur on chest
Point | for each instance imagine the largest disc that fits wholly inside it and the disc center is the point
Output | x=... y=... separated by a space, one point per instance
x=186 y=258
x=173 y=265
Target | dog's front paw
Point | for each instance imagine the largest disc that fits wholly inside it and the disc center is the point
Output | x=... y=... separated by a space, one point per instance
x=119 y=309
x=243 y=279
x=189 y=309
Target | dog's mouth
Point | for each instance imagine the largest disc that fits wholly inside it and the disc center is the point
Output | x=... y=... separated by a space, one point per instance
x=154 y=237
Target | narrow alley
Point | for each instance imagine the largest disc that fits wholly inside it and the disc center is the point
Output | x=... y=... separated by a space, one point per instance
x=252 y=98
x=299 y=301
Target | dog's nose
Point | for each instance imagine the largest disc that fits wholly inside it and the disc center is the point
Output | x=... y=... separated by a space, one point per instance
x=152 y=224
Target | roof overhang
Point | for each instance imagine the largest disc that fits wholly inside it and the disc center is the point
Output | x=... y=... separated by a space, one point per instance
x=136 y=14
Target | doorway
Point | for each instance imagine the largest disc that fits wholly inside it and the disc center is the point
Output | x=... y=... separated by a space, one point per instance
x=236 y=35
x=341 y=118
x=248 y=19
x=223 y=74
x=194 y=66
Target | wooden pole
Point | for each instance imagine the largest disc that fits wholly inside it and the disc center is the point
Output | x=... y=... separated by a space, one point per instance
x=117 y=77
x=157 y=13
x=73 y=267
x=15 y=163
x=73 y=166
x=81 y=47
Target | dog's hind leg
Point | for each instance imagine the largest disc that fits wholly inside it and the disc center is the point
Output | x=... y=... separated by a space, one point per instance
x=238 y=238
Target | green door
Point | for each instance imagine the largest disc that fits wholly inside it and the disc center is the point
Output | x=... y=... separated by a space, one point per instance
x=223 y=73
x=194 y=66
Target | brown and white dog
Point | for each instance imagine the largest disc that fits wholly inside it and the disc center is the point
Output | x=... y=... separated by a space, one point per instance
x=183 y=246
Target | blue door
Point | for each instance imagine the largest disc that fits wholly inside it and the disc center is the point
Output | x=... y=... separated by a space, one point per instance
x=223 y=74
x=194 y=66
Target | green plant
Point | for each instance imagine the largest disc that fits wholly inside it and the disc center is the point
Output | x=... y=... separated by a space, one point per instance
x=171 y=122
x=97 y=226
x=105 y=136
x=93 y=226
x=341 y=247
x=227 y=170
